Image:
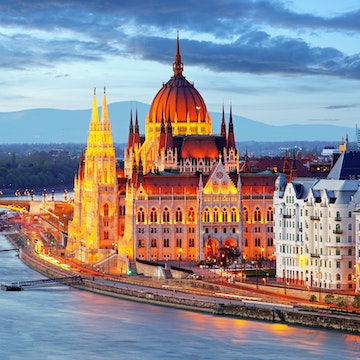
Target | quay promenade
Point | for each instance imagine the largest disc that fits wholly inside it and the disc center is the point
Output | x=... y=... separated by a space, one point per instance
x=236 y=300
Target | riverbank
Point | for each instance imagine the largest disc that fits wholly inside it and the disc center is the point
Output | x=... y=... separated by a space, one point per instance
x=188 y=297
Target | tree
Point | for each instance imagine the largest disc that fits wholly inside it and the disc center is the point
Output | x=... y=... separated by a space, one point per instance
x=356 y=302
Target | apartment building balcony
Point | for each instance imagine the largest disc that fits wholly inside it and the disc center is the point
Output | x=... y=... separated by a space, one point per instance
x=337 y=231
x=314 y=256
x=337 y=218
x=314 y=217
x=286 y=216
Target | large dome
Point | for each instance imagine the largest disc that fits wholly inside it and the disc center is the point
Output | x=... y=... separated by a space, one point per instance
x=179 y=101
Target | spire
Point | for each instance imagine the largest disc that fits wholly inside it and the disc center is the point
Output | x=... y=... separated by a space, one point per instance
x=137 y=133
x=94 y=112
x=223 y=125
x=286 y=169
x=231 y=138
x=178 y=65
x=293 y=171
x=169 y=142
x=162 y=134
x=104 y=112
x=131 y=132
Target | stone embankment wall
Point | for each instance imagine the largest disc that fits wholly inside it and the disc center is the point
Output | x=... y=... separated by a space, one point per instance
x=310 y=319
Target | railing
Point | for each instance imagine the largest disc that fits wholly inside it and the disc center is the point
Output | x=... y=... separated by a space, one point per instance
x=314 y=217
x=337 y=231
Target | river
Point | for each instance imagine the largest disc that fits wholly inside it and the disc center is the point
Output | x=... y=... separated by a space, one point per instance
x=65 y=323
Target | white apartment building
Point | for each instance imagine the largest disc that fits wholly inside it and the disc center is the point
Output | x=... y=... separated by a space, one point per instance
x=314 y=232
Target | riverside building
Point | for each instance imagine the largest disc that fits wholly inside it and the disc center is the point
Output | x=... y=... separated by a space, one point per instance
x=183 y=192
x=316 y=227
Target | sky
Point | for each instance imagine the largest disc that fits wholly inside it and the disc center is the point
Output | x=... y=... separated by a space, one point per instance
x=275 y=61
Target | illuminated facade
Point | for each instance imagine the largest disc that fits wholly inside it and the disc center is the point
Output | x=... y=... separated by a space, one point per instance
x=181 y=194
x=314 y=232
x=93 y=232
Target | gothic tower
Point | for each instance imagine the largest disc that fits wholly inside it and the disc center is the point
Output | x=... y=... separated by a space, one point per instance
x=93 y=232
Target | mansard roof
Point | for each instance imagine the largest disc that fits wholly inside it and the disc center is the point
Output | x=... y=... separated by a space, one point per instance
x=346 y=167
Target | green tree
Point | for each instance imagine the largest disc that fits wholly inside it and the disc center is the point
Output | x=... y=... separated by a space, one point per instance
x=356 y=302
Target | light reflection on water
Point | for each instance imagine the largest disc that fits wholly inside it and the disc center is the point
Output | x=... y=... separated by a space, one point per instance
x=63 y=323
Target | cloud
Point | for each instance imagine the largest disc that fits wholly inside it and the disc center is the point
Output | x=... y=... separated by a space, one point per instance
x=345 y=106
x=39 y=33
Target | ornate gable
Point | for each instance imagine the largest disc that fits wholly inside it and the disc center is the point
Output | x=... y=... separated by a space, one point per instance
x=219 y=181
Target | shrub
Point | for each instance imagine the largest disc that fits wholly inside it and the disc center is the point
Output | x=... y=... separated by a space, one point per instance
x=329 y=299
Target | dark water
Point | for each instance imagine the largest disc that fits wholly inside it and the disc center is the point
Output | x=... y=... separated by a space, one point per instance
x=63 y=323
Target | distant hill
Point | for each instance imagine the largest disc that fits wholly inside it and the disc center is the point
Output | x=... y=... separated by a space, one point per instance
x=44 y=126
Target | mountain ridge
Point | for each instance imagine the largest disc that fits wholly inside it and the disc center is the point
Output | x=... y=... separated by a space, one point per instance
x=46 y=125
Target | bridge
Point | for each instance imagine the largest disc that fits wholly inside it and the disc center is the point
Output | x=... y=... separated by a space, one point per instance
x=20 y=285
x=22 y=206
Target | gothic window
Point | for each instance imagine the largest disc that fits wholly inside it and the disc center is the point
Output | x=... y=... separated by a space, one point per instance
x=178 y=242
x=191 y=242
x=153 y=243
x=224 y=215
x=270 y=214
x=178 y=215
x=191 y=215
x=166 y=243
x=233 y=214
x=216 y=215
x=206 y=215
x=257 y=214
x=141 y=215
x=141 y=243
x=246 y=214
x=106 y=209
x=153 y=215
x=166 y=215
x=106 y=235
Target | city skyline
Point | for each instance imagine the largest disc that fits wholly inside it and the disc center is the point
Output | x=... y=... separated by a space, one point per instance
x=278 y=62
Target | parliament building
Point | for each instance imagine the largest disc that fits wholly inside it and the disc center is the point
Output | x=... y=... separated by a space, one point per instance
x=182 y=194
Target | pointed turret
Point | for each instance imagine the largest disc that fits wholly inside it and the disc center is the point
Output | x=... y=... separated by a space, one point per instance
x=169 y=142
x=231 y=137
x=178 y=65
x=162 y=135
x=131 y=132
x=286 y=167
x=104 y=110
x=223 y=125
x=293 y=171
x=94 y=112
x=137 y=132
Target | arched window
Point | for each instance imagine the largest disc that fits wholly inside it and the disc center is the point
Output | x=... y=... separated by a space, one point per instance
x=338 y=277
x=270 y=214
x=191 y=214
x=216 y=215
x=233 y=214
x=257 y=214
x=349 y=227
x=106 y=209
x=246 y=214
x=178 y=215
x=153 y=215
x=141 y=215
x=206 y=215
x=224 y=215
x=166 y=215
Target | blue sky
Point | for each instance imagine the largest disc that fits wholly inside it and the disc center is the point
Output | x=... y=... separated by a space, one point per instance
x=276 y=61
